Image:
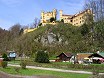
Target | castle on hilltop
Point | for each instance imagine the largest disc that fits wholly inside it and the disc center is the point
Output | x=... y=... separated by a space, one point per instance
x=76 y=19
x=45 y=17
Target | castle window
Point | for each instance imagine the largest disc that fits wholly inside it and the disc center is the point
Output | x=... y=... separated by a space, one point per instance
x=80 y=21
x=71 y=20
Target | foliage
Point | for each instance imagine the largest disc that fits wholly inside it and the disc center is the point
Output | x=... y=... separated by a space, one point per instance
x=5 y=58
x=23 y=64
x=84 y=29
x=42 y=57
x=66 y=38
x=97 y=7
x=4 y=64
x=52 y=19
x=62 y=20
x=40 y=24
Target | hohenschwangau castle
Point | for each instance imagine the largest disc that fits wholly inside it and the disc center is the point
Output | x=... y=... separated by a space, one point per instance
x=76 y=19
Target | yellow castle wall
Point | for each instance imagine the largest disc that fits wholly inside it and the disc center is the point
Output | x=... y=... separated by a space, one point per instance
x=29 y=30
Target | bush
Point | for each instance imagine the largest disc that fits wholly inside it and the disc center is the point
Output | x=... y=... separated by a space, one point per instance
x=42 y=57
x=4 y=64
x=52 y=19
x=23 y=64
x=5 y=57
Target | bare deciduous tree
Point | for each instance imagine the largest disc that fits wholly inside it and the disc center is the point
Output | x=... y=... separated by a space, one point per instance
x=97 y=7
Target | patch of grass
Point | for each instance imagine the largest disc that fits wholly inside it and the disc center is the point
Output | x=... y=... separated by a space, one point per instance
x=53 y=57
x=64 y=65
x=14 y=62
x=31 y=72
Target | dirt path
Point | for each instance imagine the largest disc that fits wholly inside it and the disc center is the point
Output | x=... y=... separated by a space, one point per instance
x=4 y=75
x=54 y=69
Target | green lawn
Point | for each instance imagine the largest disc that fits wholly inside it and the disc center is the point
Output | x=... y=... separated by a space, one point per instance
x=64 y=65
x=30 y=72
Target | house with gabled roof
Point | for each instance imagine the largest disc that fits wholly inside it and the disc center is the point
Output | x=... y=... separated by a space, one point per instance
x=64 y=56
x=100 y=55
x=82 y=56
x=97 y=57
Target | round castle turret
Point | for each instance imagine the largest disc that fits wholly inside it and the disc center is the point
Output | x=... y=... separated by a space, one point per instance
x=42 y=16
x=61 y=12
x=54 y=13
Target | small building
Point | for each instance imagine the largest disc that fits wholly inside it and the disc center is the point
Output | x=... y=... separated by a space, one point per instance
x=64 y=56
x=82 y=56
x=97 y=57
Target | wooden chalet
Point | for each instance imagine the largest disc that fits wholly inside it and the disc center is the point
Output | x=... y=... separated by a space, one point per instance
x=64 y=56
x=97 y=57
x=82 y=56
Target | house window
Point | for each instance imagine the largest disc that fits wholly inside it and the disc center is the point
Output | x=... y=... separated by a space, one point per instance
x=76 y=23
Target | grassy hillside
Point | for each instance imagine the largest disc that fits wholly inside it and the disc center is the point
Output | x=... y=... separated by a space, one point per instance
x=60 y=38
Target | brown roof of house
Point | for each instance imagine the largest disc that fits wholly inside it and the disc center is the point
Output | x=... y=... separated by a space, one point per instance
x=67 y=54
x=81 y=56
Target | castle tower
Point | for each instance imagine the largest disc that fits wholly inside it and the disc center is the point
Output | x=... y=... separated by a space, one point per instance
x=61 y=12
x=42 y=16
x=54 y=13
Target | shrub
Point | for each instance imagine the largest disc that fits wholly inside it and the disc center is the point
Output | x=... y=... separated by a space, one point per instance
x=5 y=57
x=23 y=64
x=40 y=24
x=4 y=64
x=52 y=19
x=42 y=57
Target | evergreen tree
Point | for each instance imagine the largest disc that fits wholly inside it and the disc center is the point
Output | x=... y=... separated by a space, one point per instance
x=5 y=57
x=42 y=57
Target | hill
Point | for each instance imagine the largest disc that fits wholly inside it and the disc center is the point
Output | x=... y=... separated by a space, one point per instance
x=55 y=39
